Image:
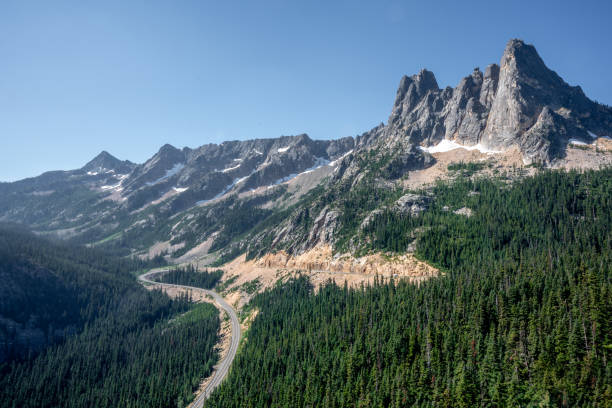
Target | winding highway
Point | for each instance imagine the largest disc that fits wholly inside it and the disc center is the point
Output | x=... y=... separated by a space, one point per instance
x=222 y=368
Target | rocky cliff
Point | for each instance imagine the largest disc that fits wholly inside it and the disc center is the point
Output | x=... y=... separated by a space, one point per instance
x=519 y=102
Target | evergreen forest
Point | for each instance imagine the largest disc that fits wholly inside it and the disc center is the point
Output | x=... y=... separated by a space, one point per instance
x=520 y=315
x=191 y=276
x=78 y=330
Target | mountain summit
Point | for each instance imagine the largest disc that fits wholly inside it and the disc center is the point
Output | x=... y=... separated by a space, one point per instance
x=105 y=162
x=518 y=103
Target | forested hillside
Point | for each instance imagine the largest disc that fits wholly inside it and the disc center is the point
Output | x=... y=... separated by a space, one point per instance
x=50 y=289
x=116 y=344
x=521 y=316
x=191 y=276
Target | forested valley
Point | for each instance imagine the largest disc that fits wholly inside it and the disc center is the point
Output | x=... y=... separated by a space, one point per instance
x=519 y=317
x=77 y=330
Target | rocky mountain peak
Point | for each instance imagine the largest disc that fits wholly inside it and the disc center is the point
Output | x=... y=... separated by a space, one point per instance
x=465 y=116
x=425 y=80
x=518 y=103
x=470 y=86
x=105 y=162
x=167 y=155
x=418 y=103
x=168 y=150
x=412 y=89
x=536 y=110
x=521 y=65
x=476 y=74
x=164 y=164
x=524 y=53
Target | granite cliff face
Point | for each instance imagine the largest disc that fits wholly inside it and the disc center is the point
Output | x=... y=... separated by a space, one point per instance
x=518 y=103
x=536 y=110
x=417 y=110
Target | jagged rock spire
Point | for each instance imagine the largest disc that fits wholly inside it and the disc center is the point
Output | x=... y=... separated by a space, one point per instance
x=519 y=102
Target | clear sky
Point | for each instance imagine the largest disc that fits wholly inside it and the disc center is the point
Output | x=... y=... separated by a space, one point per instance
x=78 y=77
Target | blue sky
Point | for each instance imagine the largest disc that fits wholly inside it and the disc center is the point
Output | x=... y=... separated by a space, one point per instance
x=78 y=77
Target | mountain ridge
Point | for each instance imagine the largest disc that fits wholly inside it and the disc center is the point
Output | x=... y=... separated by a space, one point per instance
x=184 y=197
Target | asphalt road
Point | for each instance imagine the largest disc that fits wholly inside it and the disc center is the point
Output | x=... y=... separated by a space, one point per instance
x=222 y=368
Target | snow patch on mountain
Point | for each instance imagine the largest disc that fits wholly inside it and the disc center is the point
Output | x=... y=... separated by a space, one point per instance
x=446 y=145
x=339 y=159
x=578 y=142
x=230 y=169
x=169 y=173
x=115 y=187
x=319 y=162
x=225 y=190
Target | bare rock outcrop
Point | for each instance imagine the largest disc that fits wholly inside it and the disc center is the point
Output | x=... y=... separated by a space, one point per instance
x=324 y=227
x=321 y=259
x=367 y=221
x=465 y=211
x=418 y=108
x=465 y=116
x=489 y=86
x=413 y=204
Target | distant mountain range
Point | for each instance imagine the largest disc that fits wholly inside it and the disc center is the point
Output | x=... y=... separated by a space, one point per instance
x=519 y=104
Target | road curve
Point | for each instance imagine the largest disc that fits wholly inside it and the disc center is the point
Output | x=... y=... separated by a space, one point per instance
x=222 y=368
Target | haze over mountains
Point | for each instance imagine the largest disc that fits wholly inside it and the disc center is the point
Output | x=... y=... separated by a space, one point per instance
x=519 y=104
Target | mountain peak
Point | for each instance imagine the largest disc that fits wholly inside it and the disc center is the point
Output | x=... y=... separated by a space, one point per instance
x=105 y=161
x=104 y=155
x=517 y=47
x=523 y=58
x=520 y=102
x=425 y=80
x=412 y=89
x=168 y=148
x=535 y=107
x=169 y=153
x=515 y=43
